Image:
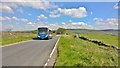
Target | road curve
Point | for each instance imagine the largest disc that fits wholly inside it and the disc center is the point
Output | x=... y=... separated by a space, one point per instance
x=32 y=53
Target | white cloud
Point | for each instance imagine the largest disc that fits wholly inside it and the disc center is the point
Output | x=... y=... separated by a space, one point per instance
x=74 y=12
x=31 y=23
x=12 y=19
x=76 y=25
x=6 y=8
x=24 y=20
x=36 y=5
x=116 y=6
x=17 y=5
x=54 y=14
x=99 y=20
x=54 y=26
x=42 y=16
x=73 y=25
x=110 y=23
x=63 y=23
x=79 y=23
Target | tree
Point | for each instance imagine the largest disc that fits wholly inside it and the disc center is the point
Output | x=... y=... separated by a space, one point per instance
x=9 y=29
x=61 y=31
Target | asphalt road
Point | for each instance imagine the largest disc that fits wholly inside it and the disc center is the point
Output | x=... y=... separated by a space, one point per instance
x=32 y=53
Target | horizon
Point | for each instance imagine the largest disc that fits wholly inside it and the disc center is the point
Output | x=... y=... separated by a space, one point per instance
x=68 y=29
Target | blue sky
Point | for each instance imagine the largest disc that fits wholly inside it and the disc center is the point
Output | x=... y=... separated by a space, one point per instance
x=74 y=15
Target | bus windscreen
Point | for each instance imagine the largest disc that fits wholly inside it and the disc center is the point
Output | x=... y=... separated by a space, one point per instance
x=42 y=30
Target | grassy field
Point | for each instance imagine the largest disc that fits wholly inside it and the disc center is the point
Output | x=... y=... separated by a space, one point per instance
x=107 y=39
x=77 y=52
x=13 y=37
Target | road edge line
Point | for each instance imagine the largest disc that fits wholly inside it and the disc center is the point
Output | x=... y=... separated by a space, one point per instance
x=15 y=43
x=52 y=52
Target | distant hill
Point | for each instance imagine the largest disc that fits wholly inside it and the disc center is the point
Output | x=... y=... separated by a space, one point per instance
x=110 y=30
x=106 y=31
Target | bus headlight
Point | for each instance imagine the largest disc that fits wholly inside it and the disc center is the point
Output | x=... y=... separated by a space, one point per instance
x=38 y=36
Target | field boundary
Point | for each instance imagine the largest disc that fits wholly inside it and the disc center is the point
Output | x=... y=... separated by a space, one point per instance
x=97 y=42
x=50 y=56
x=15 y=43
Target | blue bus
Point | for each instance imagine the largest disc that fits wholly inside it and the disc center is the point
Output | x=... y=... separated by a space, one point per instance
x=43 y=33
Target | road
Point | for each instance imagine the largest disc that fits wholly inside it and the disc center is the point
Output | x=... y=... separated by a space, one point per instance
x=32 y=53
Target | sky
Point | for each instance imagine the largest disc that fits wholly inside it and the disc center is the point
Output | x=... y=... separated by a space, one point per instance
x=20 y=16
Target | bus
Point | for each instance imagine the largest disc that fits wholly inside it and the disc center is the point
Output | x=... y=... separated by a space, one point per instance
x=44 y=33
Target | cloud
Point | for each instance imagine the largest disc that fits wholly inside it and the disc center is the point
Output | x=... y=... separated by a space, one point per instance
x=31 y=23
x=110 y=23
x=6 y=8
x=63 y=23
x=12 y=19
x=54 y=14
x=116 y=6
x=99 y=20
x=75 y=25
x=55 y=26
x=36 y=5
x=74 y=12
x=18 y=5
x=79 y=23
x=42 y=16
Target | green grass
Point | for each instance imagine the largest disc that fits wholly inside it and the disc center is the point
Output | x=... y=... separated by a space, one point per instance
x=107 y=39
x=77 y=52
x=14 y=37
x=6 y=41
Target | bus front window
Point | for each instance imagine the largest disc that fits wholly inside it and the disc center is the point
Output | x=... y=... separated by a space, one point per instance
x=42 y=31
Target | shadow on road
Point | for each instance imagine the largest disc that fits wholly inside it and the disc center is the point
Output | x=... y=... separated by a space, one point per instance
x=40 y=39
x=35 y=38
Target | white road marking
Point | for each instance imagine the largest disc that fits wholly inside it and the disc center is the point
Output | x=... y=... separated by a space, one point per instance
x=52 y=52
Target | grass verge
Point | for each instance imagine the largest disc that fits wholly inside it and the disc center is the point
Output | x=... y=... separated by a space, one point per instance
x=77 y=52
x=14 y=37
x=6 y=41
